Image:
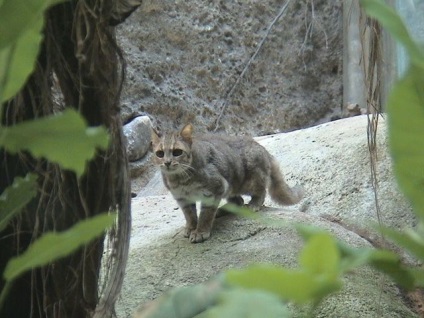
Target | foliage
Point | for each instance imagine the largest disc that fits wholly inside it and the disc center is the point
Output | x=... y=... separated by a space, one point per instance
x=255 y=303
x=52 y=246
x=63 y=138
x=324 y=260
x=318 y=275
x=406 y=130
x=216 y=298
x=174 y=304
x=15 y=197
x=21 y=24
x=406 y=121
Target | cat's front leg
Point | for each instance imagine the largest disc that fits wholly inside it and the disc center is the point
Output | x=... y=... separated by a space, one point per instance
x=190 y=214
x=204 y=225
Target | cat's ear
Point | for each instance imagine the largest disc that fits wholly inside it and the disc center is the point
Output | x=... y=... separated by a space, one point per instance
x=186 y=133
x=155 y=139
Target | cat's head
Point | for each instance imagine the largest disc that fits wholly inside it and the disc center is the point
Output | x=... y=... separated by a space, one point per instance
x=172 y=151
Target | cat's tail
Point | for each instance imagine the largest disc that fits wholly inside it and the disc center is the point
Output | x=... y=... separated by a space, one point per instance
x=280 y=191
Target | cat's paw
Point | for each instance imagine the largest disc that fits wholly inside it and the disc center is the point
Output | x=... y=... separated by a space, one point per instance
x=255 y=207
x=187 y=231
x=199 y=237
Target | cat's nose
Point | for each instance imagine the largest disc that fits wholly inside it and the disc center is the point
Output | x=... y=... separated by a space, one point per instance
x=167 y=163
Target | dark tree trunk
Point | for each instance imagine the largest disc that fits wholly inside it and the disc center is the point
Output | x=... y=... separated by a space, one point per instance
x=80 y=65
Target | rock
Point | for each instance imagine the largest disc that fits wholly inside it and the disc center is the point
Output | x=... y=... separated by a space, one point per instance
x=141 y=171
x=331 y=161
x=154 y=187
x=183 y=59
x=137 y=133
x=355 y=110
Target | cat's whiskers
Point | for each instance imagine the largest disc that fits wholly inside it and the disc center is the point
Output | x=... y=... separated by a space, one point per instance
x=187 y=170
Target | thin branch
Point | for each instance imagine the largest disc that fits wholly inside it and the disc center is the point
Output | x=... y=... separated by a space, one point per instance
x=310 y=26
x=247 y=66
x=310 y=29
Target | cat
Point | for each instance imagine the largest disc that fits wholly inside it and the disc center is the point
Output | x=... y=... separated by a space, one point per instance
x=211 y=167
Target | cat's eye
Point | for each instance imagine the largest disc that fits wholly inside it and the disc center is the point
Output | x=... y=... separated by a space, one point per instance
x=177 y=152
x=160 y=154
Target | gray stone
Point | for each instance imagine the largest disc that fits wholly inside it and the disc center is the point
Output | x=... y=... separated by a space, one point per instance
x=184 y=57
x=137 y=133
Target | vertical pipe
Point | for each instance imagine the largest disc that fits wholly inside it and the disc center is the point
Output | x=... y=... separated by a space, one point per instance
x=353 y=77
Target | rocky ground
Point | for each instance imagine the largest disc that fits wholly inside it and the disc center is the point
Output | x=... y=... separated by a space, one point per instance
x=331 y=161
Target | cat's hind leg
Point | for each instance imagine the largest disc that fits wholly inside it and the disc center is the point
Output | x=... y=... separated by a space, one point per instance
x=225 y=209
x=237 y=200
x=258 y=199
x=256 y=188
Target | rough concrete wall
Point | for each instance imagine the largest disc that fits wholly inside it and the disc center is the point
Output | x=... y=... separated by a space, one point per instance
x=185 y=56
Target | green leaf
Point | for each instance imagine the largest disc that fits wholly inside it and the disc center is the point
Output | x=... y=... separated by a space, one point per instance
x=289 y=285
x=348 y=257
x=21 y=23
x=408 y=239
x=418 y=275
x=52 y=246
x=187 y=302
x=352 y=258
x=15 y=197
x=390 y=264
x=384 y=261
x=308 y=231
x=392 y=22
x=246 y=212
x=320 y=255
x=242 y=211
x=17 y=60
x=406 y=136
x=62 y=138
x=18 y=16
x=246 y=304
x=295 y=285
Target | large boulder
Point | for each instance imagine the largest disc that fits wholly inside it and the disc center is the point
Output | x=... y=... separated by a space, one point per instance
x=332 y=162
x=137 y=134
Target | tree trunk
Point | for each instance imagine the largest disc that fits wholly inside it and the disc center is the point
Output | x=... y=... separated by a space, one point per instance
x=80 y=66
